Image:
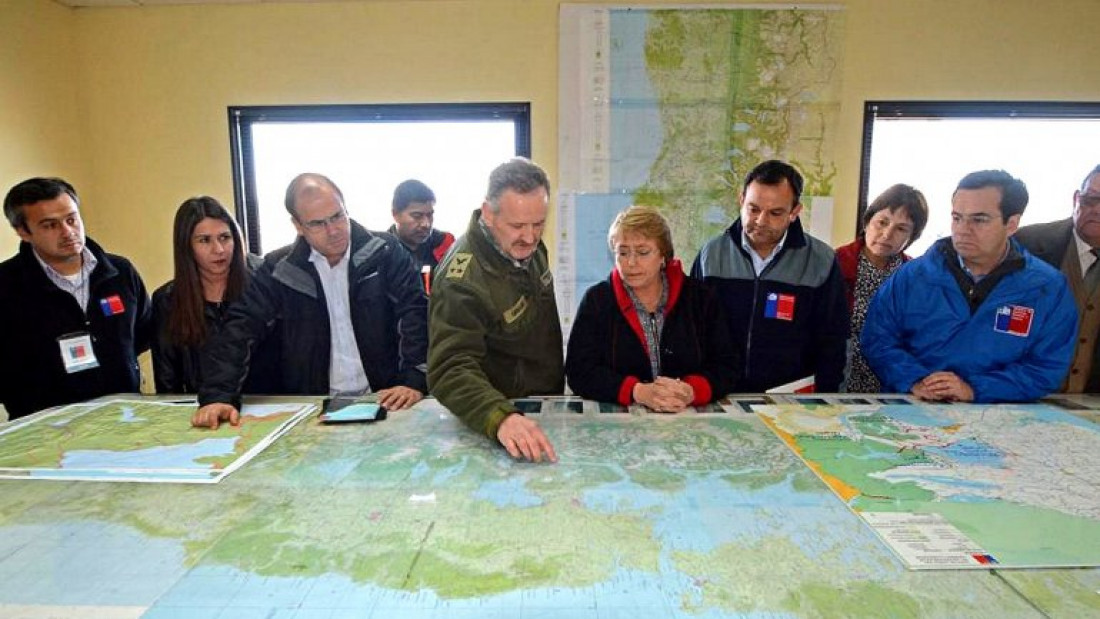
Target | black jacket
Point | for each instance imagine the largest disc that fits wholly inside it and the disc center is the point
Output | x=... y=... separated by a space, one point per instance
x=285 y=300
x=607 y=351
x=34 y=312
x=789 y=322
x=177 y=369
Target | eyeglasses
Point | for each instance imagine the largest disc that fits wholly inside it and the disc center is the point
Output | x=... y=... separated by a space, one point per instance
x=1088 y=200
x=316 y=225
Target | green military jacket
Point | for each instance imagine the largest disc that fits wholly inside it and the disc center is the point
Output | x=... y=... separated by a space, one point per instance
x=493 y=331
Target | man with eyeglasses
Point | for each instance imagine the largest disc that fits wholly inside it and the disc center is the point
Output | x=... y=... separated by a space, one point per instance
x=1072 y=246
x=977 y=318
x=345 y=306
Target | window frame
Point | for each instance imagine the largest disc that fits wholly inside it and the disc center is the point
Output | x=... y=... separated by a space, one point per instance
x=242 y=118
x=872 y=110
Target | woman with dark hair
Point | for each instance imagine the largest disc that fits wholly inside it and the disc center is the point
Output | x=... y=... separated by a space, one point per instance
x=649 y=334
x=210 y=273
x=890 y=224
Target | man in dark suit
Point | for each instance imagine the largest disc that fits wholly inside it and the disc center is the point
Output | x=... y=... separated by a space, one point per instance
x=1072 y=246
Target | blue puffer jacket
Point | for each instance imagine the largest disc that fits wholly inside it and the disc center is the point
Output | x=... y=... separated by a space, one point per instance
x=1014 y=347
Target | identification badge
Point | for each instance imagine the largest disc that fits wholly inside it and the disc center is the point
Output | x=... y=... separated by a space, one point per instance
x=780 y=306
x=77 y=353
x=513 y=313
x=112 y=305
x=1014 y=320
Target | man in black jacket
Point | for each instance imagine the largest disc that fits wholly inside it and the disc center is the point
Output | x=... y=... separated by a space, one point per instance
x=782 y=288
x=346 y=306
x=75 y=318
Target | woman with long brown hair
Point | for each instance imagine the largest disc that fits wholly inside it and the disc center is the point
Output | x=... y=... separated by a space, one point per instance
x=210 y=273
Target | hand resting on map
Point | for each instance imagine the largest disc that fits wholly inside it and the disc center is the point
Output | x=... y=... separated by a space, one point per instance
x=211 y=416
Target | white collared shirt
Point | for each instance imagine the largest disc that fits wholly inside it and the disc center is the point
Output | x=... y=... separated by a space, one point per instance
x=77 y=285
x=346 y=375
x=758 y=263
x=1084 y=253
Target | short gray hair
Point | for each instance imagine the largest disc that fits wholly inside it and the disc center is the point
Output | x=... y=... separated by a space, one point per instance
x=519 y=174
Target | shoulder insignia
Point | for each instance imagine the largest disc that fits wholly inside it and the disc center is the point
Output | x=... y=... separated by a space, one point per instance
x=458 y=266
x=513 y=313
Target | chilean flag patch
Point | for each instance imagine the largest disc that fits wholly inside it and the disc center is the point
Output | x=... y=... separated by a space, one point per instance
x=779 y=306
x=112 y=305
x=1014 y=320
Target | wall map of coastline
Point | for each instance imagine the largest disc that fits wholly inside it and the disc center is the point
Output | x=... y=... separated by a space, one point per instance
x=670 y=107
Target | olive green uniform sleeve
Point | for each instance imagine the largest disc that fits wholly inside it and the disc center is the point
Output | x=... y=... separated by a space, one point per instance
x=458 y=322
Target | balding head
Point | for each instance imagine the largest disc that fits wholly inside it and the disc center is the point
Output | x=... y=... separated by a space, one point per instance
x=307 y=184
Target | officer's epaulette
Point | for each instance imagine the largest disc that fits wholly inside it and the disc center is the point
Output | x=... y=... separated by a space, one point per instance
x=459 y=264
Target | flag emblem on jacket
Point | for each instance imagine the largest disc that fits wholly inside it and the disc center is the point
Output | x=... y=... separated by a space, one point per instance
x=1014 y=320
x=112 y=305
x=779 y=306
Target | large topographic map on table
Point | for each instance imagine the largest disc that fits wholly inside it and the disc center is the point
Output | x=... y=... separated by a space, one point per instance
x=961 y=485
x=670 y=107
x=141 y=441
x=704 y=516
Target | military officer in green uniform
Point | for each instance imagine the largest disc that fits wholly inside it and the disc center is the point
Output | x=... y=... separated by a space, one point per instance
x=493 y=321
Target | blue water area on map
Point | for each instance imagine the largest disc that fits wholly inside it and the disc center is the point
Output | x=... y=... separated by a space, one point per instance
x=421 y=469
x=868 y=455
x=635 y=124
x=103 y=564
x=697 y=517
x=621 y=495
x=168 y=457
x=508 y=493
x=444 y=475
x=335 y=468
x=593 y=257
x=1049 y=414
x=970 y=452
x=129 y=416
x=915 y=416
x=971 y=498
x=226 y=592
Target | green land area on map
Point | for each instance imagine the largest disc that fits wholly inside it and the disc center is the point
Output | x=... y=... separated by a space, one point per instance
x=1018 y=480
x=130 y=434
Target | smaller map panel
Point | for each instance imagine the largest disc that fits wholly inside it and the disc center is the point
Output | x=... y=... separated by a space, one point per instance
x=142 y=441
x=957 y=486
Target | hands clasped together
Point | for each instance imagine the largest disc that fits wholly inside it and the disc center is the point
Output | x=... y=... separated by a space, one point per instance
x=943 y=386
x=664 y=395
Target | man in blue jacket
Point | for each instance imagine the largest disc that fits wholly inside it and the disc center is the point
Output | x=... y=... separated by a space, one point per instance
x=782 y=288
x=344 y=307
x=976 y=318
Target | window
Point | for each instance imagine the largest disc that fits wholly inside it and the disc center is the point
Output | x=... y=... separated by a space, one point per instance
x=367 y=150
x=932 y=145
